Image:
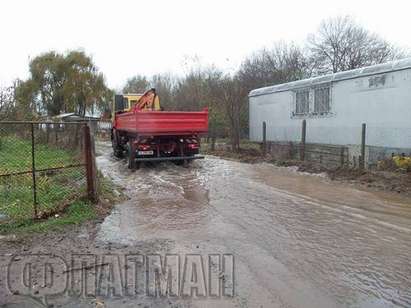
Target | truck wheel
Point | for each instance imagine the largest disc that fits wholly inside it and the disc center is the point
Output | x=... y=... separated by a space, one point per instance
x=183 y=163
x=131 y=164
x=118 y=153
x=117 y=149
x=131 y=155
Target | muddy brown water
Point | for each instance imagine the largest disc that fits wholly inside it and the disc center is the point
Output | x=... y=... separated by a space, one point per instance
x=299 y=240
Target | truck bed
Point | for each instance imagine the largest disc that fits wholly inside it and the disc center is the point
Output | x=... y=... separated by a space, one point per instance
x=158 y=123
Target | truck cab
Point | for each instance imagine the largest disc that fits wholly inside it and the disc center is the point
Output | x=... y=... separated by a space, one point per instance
x=126 y=102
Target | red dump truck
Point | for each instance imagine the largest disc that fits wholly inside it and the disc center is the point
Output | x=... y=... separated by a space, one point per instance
x=145 y=133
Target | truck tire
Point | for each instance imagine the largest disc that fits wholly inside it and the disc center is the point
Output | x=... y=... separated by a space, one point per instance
x=183 y=163
x=118 y=152
x=131 y=164
x=131 y=153
x=117 y=149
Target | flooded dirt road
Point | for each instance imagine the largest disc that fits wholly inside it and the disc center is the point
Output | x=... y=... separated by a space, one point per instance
x=298 y=240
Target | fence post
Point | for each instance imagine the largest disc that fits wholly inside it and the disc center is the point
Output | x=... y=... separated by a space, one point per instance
x=47 y=133
x=264 y=138
x=363 y=135
x=303 y=137
x=213 y=142
x=213 y=137
x=342 y=152
x=33 y=171
x=90 y=167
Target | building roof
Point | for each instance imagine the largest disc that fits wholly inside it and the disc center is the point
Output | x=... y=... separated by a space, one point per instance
x=356 y=73
x=64 y=115
x=74 y=116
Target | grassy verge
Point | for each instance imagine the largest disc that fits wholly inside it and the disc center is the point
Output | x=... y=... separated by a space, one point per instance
x=76 y=213
x=58 y=191
x=52 y=187
x=15 y=155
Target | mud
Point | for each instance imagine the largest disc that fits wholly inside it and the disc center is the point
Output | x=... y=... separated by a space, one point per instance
x=390 y=179
x=298 y=239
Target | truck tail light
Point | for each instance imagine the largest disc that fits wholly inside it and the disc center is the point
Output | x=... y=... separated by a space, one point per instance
x=144 y=147
x=193 y=146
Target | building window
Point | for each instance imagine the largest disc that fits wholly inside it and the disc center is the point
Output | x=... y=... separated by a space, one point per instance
x=322 y=100
x=302 y=102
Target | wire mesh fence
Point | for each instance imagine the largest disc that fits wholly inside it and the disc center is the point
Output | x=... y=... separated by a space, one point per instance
x=363 y=147
x=43 y=168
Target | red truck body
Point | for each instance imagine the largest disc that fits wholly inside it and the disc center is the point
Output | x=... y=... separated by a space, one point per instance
x=155 y=123
x=148 y=135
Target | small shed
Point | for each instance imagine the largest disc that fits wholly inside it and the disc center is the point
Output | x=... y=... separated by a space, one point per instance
x=73 y=117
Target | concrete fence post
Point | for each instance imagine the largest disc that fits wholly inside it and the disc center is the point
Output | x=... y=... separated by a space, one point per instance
x=342 y=153
x=303 y=138
x=264 y=138
x=363 y=136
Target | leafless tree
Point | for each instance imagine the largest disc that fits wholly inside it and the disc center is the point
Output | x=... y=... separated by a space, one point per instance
x=342 y=44
x=165 y=85
x=283 y=63
x=193 y=91
x=136 y=84
x=229 y=94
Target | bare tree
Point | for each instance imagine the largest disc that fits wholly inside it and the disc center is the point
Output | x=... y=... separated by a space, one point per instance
x=282 y=63
x=165 y=85
x=193 y=91
x=136 y=84
x=342 y=44
x=229 y=94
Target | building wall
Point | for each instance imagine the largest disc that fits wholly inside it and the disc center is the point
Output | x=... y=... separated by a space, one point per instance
x=382 y=101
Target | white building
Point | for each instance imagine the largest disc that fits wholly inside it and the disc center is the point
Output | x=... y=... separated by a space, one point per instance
x=336 y=105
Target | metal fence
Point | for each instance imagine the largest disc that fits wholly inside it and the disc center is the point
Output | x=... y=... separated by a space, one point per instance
x=43 y=168
x=359 y=155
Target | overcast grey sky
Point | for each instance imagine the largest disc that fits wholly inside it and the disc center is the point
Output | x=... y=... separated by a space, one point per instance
x=147 y=37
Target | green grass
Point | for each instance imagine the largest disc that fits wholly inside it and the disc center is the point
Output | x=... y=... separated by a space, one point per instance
x=15 y=156
x=76 y=213
x=54 y=188
x=61 y=190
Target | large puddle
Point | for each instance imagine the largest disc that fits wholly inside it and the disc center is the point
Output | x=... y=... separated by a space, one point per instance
x=298 y=240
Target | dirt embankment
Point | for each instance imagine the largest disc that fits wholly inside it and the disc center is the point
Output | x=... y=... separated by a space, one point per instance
x=390 y=180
